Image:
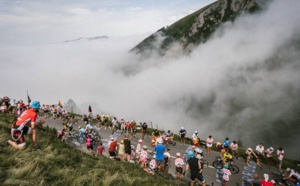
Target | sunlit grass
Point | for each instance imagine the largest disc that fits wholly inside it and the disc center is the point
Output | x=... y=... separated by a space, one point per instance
x=60 y=164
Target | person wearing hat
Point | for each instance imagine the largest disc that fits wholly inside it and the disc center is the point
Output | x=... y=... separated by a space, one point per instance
x=182 y=134
x=160 y=149
x=195 y=139
x=144 y=156
x=26 y=124
x=179 y=164
x=226 y=173
x=194 y=165
x=113 y=147
x=139 y=148
x=269 y=155
x=249 y=152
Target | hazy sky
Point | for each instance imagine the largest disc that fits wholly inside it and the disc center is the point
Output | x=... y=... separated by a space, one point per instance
x=243 y=83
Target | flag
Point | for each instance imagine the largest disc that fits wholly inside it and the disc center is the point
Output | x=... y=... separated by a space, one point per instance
x=59 y=103
x=90 y=108
x=28 y=98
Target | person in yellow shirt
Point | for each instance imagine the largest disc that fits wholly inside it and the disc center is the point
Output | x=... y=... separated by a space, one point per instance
x=226 y=156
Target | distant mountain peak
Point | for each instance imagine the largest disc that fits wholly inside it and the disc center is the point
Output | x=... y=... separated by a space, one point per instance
x=86 y=38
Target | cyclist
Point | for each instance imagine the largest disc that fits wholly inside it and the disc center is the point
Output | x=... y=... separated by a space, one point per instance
x=226 y=157
x=26 y=124
x=81 y=132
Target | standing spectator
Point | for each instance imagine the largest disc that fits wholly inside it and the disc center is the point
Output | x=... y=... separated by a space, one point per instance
x=160 y=149
x=144 y=130
x=269 y=154
x=121 y=151
x=209 y=143
x=280 y=154
x=127 y=147
x=234 y=149
x=113 y=147
x=226 y=173
x=182 y=134
x=195 y=139
x=98 y=118
x=26 y=124
x=139 y=149
x=115 y=125
x=179 y=163
x=89 y=144
x=167 y=157
x=194 y=165
x=226 y=143
x=123 y=125
x=144 y=156
x=100 y=149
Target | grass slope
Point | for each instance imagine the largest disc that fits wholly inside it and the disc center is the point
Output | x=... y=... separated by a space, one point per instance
x=61 y=164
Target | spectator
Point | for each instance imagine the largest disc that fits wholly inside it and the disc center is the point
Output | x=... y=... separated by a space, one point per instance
x=100 y=149
x=26 y=124
x=209 y=143
x=182 y=134
x=160 y=149
x=280 y=154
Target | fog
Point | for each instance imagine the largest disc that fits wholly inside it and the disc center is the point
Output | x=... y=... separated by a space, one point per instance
x=242 y=84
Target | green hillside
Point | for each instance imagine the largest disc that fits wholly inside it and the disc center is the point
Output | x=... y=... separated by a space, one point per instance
x=189 y=32
x=61 y=164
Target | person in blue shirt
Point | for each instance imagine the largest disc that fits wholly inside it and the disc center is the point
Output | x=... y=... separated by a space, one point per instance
x=160 y=149
x=226 y=144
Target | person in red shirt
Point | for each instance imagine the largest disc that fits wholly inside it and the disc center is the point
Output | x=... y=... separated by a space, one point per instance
x=26 y=124
x=112 y=149
x=100 y=149
x=266 y=181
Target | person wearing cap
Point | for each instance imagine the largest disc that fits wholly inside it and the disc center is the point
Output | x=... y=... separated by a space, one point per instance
x=167 y=157
x=179 y=164
x=194 y=165
x=182 y=134
x=139 y=148
x=226 y=173
x=144 y=156
x=266 y=181
x=269 y=154
x=113 y=147
x=160 y=149
x=26 y=124
x=195 y=139
x=249 y=152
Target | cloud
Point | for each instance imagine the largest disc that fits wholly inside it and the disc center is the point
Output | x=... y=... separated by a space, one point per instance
x=243 y=83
